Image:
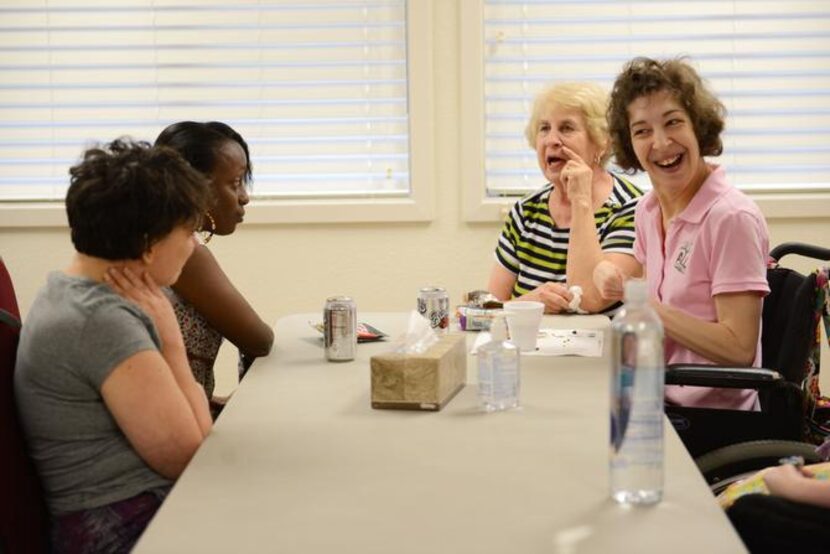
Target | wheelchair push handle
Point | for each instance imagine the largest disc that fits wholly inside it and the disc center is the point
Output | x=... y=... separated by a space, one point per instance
x=801 y=249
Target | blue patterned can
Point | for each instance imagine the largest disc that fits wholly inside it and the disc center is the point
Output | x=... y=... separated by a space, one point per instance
x=340 y=323
x=434 y=304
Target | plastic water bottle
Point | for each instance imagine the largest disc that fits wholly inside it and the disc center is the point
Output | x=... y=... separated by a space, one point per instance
x=498 y=370
x=637 y=386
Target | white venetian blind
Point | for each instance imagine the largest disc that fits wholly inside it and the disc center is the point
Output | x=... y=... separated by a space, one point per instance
x=769 y=62
x=317 y=88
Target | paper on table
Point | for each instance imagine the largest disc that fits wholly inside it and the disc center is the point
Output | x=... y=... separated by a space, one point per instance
x=558 y=342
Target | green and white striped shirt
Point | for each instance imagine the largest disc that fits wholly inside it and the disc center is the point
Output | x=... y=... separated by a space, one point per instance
x=533 y=248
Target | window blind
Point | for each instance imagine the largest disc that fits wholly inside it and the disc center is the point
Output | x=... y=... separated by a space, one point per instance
x=769 y=63
x=318 y=89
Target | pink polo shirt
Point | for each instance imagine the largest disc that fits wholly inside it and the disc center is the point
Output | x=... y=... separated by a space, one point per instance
x=717 y=244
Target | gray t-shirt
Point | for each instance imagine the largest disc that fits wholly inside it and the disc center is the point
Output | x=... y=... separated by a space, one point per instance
x=76 y=332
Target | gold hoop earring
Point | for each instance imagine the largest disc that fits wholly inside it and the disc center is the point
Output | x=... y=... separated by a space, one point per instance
x=207 y=234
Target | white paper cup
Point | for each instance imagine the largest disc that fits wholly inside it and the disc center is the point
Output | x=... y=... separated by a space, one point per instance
x=523 y=320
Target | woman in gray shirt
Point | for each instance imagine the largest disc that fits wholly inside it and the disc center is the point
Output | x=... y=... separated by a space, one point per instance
x=109 y=406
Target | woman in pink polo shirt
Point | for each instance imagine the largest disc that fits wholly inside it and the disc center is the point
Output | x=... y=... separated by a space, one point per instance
x=703 y=244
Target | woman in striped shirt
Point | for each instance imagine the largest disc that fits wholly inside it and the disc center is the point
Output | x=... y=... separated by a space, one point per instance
x=554 y=237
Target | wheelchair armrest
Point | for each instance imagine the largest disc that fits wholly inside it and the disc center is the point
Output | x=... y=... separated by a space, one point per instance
x=702 y=375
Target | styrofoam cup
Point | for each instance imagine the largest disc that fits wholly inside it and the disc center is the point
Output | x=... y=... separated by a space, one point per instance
x=523 y=320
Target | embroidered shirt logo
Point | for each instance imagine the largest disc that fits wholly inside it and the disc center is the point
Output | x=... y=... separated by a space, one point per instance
x=681 y=262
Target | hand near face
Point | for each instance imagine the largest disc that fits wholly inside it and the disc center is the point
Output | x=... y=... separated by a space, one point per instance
x=577 y=176
x=554 y=296
x=608 y=279
x=143 y=292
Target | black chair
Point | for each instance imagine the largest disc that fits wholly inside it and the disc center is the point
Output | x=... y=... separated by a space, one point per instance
x=788 y=344
x=23 y=519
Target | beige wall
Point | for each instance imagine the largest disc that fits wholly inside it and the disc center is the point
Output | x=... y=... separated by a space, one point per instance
x=285 y=269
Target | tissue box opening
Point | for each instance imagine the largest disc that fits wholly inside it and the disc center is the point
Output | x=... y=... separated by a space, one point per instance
x=425 y=381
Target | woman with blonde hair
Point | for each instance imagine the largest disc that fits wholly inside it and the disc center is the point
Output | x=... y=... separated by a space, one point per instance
x=554 y=237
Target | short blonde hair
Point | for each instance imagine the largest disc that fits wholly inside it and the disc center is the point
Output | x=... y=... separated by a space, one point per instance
x=592 y=102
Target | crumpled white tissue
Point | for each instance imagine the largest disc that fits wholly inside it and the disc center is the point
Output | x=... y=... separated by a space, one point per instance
x=417 y=338
x=573 y=305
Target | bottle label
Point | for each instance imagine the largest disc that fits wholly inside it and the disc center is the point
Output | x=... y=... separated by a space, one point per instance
x=636 y=406
x=622 y=389
x=621 y=406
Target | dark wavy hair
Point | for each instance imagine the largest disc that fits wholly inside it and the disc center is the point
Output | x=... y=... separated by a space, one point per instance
x=199 y=144
x=125 y=196
x=644 y=76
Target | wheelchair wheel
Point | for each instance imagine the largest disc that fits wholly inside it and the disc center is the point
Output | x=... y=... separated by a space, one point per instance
x=724 y=466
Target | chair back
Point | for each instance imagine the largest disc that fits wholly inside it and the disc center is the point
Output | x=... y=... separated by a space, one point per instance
x=8 y=299
x=23 y=520
x=789 y=323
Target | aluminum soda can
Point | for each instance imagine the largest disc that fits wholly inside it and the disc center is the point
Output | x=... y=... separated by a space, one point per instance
x=434 y=304
x=340 y=322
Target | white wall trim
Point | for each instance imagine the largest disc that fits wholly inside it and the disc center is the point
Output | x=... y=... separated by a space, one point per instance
x=421 y=204
x=475 y=204
x=773 y=206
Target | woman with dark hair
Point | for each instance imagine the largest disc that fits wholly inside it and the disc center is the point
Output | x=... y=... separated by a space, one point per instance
x=702 y=242
x=208 y=306
x=110 y=409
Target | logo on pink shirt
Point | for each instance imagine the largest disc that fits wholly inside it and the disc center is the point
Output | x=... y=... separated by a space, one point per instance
x=681 y=262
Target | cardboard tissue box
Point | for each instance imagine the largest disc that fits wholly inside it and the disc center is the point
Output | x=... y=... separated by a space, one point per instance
x=420 y=381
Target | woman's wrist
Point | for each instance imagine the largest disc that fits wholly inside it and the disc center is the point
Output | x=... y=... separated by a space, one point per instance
x=582 y=204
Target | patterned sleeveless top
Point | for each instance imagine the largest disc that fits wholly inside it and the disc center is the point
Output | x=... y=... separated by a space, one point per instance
x=201 y=341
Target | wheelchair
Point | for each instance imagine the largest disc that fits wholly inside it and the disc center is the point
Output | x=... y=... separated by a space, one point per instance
x=787 y=384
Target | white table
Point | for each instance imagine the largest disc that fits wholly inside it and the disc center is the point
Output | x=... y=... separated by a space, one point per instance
x=300 y=462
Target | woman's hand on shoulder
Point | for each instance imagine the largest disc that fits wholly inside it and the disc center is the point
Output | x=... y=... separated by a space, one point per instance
x=554 y=296
x=143 y=291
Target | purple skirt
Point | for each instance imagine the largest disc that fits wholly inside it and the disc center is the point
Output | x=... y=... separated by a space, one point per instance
x=111 y=528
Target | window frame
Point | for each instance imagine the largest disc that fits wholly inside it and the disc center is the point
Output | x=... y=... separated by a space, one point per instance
x=478 y=206
x=417 y=206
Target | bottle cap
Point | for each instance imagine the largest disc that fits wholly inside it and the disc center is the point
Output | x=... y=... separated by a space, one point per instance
x=498 y=328
x=636 y=291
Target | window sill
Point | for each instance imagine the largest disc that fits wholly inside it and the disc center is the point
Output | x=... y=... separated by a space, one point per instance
x=774 y=206
x=259 y=212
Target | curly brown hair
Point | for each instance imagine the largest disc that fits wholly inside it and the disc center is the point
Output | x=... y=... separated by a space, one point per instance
x=645 y=76
x=126 y=196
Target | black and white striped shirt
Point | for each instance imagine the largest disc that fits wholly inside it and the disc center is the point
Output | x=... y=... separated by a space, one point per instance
x=533 y=248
